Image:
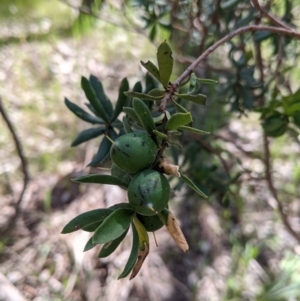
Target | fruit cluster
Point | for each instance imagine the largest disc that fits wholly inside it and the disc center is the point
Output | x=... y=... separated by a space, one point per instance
x=135 y=167
x=138 y=163
x=134 y=154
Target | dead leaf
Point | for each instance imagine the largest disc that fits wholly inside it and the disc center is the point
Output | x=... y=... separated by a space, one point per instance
x=141 y=258
x=176 y=233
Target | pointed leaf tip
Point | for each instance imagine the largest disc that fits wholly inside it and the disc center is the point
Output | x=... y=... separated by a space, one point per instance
x=189 y=182
x=199 y=99
x=152 y=69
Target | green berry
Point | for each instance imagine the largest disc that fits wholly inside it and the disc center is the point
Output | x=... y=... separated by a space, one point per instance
x=151 y=223
x=133 y=152
x=149 y=192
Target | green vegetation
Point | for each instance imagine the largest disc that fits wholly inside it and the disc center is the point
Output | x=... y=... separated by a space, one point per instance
x=223 y=115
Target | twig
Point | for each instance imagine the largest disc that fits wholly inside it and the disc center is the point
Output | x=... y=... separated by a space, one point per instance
x=274 y=19
x=273 y=190
x=88 y=11
x=251 y=28
x=279 y=61
x=204 y=65
x=24 y=165
x=267 y=162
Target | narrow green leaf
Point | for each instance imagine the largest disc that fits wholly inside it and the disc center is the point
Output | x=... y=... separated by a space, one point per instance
x=152 y=69
x=160 y=134
x=179 y=107
x=175 y=144
x=88 y=135
x=91 y=96
x=144 y=115
x=113 y=226
x=89 y=245
x=199 y=99
x=124 y=86
x=82 y=114
x=207 y=81
x=178 y=119
x=157 y=92
x=143 y=96
x=127 y=126
x=104 y=148
x=138 y=87
x=133 y=254
x=93 y=226
x=100 y=179
x=131 y=113
x=117 y=124
x=150 y=83
x=101 y=153
x=174 y=133
x=165 y=63
x=98 y=88
x=260 y=36
x=111 y=246
x=85 y=219
x=159 y=118
x=193 y=130
x=152 y=34
x=292 y=109
x=192 y=185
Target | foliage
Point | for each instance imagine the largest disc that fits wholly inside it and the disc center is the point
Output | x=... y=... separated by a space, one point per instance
x=249 y=83
x=138 y=153
x=256 y=71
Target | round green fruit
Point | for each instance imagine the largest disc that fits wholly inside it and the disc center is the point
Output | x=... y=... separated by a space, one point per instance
x=133 y=152
x=149 y=192
x=151 y=223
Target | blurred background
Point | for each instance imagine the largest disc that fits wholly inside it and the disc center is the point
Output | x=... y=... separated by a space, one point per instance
x=244 y=240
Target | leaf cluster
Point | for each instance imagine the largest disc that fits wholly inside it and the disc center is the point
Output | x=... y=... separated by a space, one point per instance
x=102 y=113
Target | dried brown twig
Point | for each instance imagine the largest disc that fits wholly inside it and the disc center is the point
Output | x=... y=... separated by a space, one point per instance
x=24 y=165
x=273 y=190
x=273 y=18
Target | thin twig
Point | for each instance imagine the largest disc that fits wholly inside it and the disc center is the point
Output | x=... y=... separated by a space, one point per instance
x=279 y=61
x=273 y=190
x=267 y=161
x=251 y=28
x=89 y=12
x=274 y=19
x=24 y=164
